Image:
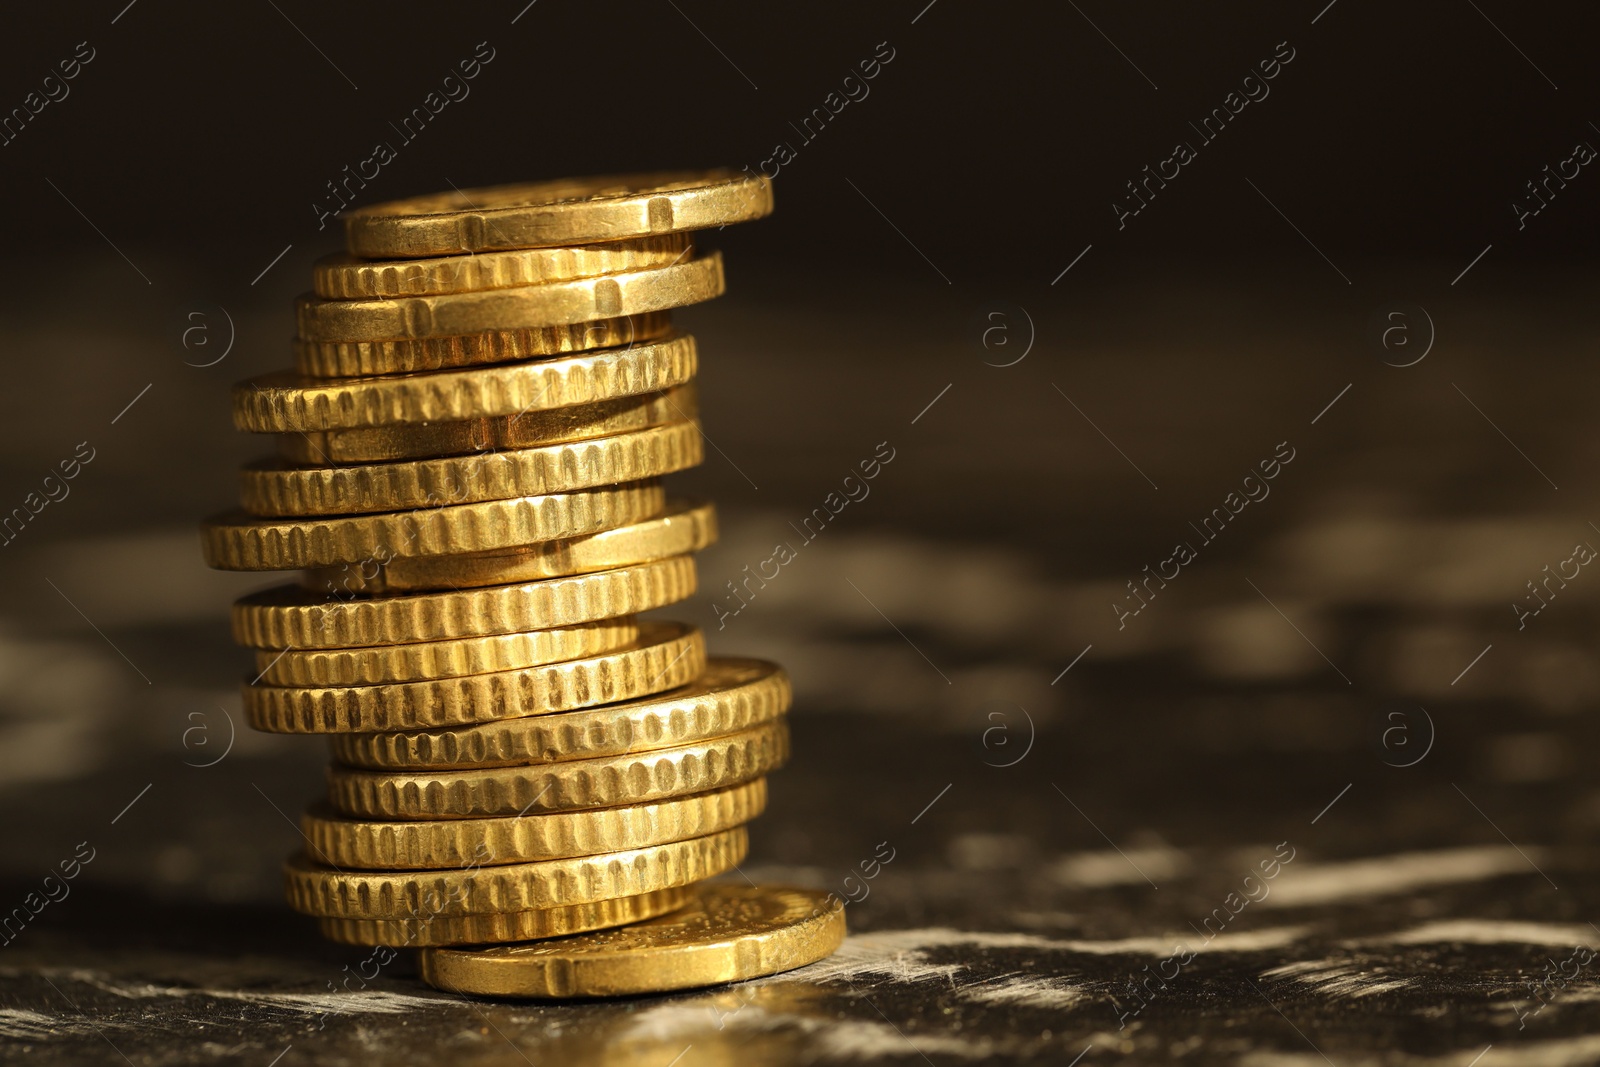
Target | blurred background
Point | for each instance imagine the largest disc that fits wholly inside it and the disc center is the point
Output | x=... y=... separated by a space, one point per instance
x=1078 y=343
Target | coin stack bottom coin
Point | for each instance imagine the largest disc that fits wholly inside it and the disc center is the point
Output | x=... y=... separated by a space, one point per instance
x=488 y=391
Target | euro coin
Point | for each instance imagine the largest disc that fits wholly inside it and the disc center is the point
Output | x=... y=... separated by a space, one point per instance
x=727 y=933
x=565 y=212
x=344 y=842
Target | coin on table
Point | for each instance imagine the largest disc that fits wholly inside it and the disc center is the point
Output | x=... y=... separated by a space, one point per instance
x=666 y=656
x=237 y=541
x=521 y=307
x=730 y=696
x=291 y=616
x=727 y=933
x=323 y=891
x=354 y=359
x=342 y=842
x=684 y=526
x=289 y=403
x=272 y=487
x=565 y=212
x=345 y=277
x=494 y=928
x=428 y=440
x=604 y=781
x=428 y=660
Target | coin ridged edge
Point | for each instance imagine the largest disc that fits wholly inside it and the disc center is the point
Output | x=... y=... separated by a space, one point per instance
x=415 y=318
x=666 y=663
x=437 y=660
x=668 y=721
x=533 y=429
x=343 y=842
x=236 y=541
x=684 y=526
x=402 y=618
x=506 y=926
x=276 y=489
x=603 y=781
x=662 y=202
x=323 y=891
x=358 y=359
x=287 y=403
x=345 y=277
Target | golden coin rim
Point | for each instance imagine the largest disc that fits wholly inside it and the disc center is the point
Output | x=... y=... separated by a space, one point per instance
x=271 y=488
x=341 y=276
x=343 y=842
x=366 y=359
x=606 y=679
x=554 y=426
x=568 y=785
x=285 y=402
x=239 y=541
x=504 y=926
x=520 y=307
x=584 y=965
x=425 y=661
x=684 y=527
x=292 y=616
x=646 y=203
x=313 y=889
x=731 y=694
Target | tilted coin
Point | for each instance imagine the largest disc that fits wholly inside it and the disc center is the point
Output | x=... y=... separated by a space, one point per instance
x=587 y=783
x=430 y=660
x=324 y=891
x=668 y=655
x=565 y=212
x=291 y=616
x=236 y=541
x=729 y=696
x=521 y=307
x=379 y=444
x=346 y=277
x=271 y=487
x=354 y=359
x=495 y=928
x=684 y=526
x=728 y=933
x=346 y=843
x=287 y=403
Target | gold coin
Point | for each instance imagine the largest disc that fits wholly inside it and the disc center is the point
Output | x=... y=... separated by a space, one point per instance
x=381 y=444
x=685 y=526
x=728 y=933
x=291 y=616
x=667 y=655
x=345 y=277
x=323 y=891
x=729 y=696
x=270 y=487
x=606 y=781
x=350 y=359
x=239 y=542
x=567 y=212
x=432 y=660
x=522 y=307
x=288 y=403
x=443 y=843
x=506 y=926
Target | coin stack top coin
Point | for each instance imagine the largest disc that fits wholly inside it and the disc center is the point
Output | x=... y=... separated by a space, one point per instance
x=487 y=392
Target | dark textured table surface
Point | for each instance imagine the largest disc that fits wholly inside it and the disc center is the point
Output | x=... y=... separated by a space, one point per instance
x=1082 y=807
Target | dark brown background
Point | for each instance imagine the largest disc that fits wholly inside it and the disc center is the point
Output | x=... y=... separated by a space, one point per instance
x=1222 y=720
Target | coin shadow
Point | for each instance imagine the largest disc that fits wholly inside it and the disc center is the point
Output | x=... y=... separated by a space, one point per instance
x=98 y=922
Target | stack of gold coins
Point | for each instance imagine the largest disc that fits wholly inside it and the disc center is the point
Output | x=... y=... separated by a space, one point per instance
x=488 y=390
